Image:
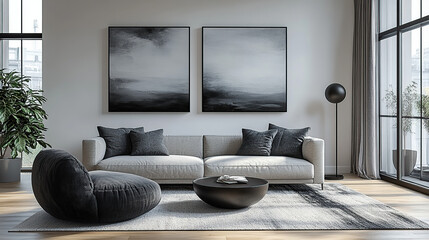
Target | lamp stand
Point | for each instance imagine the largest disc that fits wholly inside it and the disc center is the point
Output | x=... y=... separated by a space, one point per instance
x=336 y=176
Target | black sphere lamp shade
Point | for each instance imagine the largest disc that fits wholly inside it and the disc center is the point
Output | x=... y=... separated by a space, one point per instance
x=335 y=93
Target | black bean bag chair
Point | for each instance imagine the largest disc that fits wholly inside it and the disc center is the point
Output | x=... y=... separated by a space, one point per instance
x=65 y=190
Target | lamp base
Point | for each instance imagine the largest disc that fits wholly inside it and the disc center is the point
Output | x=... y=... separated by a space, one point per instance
x=334 y=177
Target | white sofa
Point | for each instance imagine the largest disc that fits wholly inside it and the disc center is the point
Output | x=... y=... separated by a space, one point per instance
x=192 y=157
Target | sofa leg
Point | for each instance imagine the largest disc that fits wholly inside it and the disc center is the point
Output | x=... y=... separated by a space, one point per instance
x=321 y=185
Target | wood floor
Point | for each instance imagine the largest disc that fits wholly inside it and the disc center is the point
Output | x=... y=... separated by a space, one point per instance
x=18 y=203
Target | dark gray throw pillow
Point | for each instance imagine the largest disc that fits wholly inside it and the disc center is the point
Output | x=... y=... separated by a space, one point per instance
x=117 y=140
x=288 y=142
x=149 y=143
x=256 y=143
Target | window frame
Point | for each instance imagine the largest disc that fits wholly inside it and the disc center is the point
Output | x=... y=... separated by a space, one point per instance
x=397 y=31
x=17 y=36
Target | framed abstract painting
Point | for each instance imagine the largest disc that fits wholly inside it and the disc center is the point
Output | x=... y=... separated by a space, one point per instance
x=244 y=69
x=149 y=69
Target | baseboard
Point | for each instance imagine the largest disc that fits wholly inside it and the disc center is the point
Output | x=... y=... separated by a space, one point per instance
x=341 y=169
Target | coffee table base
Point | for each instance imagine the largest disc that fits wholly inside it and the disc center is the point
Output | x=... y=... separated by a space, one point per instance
x=232 y=197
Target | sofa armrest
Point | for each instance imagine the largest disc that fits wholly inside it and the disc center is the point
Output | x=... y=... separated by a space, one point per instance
x=93 y=151
x=313 y=150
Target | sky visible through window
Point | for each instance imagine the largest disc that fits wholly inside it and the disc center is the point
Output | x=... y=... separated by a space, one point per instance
x=32 y=16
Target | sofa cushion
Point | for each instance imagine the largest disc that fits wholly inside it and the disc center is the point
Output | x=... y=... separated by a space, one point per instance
x=288 y=142
x=256 y=143
x=184 y=145
x=215 y=145
x=148 y=143
x=156 y=167
x=266 y=167
x=117 y=140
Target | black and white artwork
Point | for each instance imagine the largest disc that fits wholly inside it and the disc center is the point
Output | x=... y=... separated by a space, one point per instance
x=148 y=69
x=244 y=69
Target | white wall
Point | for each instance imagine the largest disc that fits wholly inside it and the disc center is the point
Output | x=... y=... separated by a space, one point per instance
x=320 y=38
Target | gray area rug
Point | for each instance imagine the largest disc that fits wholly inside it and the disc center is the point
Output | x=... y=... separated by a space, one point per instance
x=285 y=207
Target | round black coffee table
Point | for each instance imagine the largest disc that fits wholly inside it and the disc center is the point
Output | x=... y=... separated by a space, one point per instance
x=238 y=195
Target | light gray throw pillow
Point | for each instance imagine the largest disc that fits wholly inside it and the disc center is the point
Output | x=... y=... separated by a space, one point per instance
x=288 y=142
x=149 y=143
x=256 y=143
x=117 y=140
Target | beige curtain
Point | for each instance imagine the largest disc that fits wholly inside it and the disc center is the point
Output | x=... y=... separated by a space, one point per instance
x=364 y=111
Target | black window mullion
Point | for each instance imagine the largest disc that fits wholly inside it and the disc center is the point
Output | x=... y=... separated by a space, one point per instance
x=388 y=33
x=379 y=88
x=414 y=24
x=18 y=36
x=398 y=93
x=404 y=27
x=411 y=117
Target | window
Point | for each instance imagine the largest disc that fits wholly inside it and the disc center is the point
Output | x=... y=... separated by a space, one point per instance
x=21 y=44
x=403 y=74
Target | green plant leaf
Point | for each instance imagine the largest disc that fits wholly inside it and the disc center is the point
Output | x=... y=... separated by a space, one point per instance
x=21 y=114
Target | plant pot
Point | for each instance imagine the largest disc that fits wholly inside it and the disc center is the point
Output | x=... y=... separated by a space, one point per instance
x=10 y=169
x=424 y=175
x=409 y=161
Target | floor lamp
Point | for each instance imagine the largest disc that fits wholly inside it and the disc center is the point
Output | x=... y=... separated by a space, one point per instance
x=335 y=93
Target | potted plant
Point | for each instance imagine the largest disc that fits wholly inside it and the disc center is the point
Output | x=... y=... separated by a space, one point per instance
x=410 y=99
x=21 y=122
x=424 y=110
